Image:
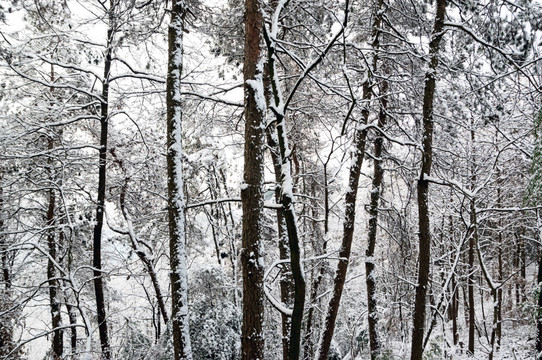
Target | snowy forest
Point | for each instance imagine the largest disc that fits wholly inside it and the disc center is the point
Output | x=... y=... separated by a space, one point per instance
x=270 y=179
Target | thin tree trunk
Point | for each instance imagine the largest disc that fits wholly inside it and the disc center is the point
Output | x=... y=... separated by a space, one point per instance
x=522 y=264
x=143 y=256
x=252 y=340
x=423 y=185
x=471 y=294
x=57 y=348
x=286 y=285
x=287 y=202
x=70 y=308
x=100 y=208
x=279 y=109
x=288 y=212
x=498 y=327
x=176 y=202
x=496 y=288
x=454 y=305
x=54 y=297
x=378 y=174
x=539 y=280
x=308 y=341
x=6 y=328
x=454 y=310
x=472 y=243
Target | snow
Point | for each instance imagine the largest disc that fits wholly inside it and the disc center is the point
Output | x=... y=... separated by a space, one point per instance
x=258 y=88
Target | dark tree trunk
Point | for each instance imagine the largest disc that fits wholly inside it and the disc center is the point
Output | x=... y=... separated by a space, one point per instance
x=6 y=324
x=288 y=212
x=100 y=208
x=308 y=346
x=176 y=203
x=286 y=284
x=53 y=283
x=66 y=244
x=378 y=174
x=252 y=340
x=522 y=264
x=471 y=288
x=423 y=185
x=454 y=303
x=287 y=202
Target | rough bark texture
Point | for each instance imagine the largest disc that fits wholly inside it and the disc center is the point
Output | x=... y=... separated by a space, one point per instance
x=286 y=197
x=286 y=283
x=176 y=205
x=423 y=185
x=53 y=283
x=308 y=346
x=252 y=341
x=6 y=322
x=295 y=251
x=100 y=208
x=378 y=174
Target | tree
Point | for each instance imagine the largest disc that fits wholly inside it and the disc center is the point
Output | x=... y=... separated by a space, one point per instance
x=423 y=184
x=176 y=205
x=252 y=341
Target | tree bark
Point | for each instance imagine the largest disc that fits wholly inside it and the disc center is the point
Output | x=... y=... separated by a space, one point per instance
x=286 y=285
x=53 y=283
x=252 y=340
x=176 y=202
x=423 y=185
x=378 y=174
x=100 y=208
x=471 y=289
x=289 y=214
x=308 y=341
x=6 y=324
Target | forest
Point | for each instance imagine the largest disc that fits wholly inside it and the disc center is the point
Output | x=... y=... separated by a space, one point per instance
x=270 y=179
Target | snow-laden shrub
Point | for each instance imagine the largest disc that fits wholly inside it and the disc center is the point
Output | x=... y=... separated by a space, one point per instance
x=214 y=318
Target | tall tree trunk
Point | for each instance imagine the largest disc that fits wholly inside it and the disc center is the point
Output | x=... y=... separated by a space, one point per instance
x=288 y=211
x=53 y=283
x=423 y=185
x=360 y=136
x=176 y=203
x=370 y=279
x=286 y=197
x=6 y=323
x=286 y=284
x=472 y=243
x=471 y=294
x=66 y=245
x=252 y=340
x=539 y=280
x=522 y=264
x=317 y=280
x=100 y=208
x=454 y=303
x=378 y=174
